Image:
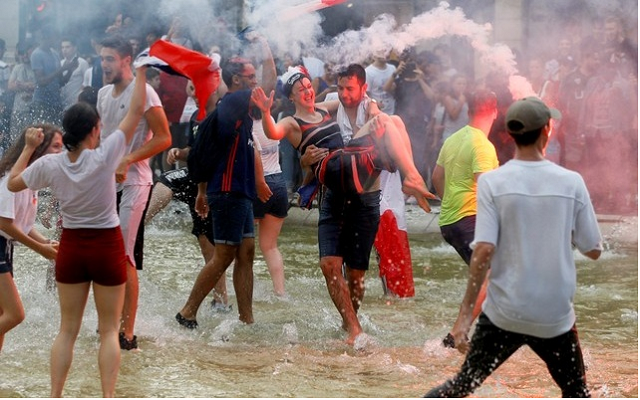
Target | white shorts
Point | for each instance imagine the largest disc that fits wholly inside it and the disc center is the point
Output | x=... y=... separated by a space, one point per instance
x=134 y=201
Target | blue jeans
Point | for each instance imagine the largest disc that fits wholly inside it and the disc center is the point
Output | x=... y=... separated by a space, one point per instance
x=232 y=217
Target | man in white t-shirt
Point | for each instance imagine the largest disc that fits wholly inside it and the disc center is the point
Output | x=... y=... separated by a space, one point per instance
x=380 y=81
x=531 y=213
x=71 y=89
x=133 y=176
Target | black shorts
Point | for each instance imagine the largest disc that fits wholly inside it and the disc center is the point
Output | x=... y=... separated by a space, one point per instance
x=6 y=255
x=278 y=203
x=347 y=226
x=186 y=191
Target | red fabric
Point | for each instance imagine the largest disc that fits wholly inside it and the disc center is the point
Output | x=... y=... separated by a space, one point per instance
x=395 y=266
x=173 y=94
x=193 y=65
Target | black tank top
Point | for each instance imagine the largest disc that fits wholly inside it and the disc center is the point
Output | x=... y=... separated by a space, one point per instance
x=325 y=133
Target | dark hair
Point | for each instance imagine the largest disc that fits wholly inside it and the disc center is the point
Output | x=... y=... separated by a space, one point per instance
x=13 y=153
x=482 y=101
x=78 y=121
x=69 y=39
x=23 y=47
x=354 y=70
x=234 y=66
x=526 y=138
x=119 y=44
x=88 y=95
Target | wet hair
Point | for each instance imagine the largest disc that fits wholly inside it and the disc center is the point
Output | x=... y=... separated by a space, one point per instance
x=13 y=153
x=119 y=44
x=78 y=121
x=354 y=70
x=88 y=95
x=233 y=66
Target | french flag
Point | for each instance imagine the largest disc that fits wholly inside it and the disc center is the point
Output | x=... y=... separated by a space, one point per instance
x=203 y=71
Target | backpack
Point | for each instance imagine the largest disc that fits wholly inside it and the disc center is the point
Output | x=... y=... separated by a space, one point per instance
x=201 y=158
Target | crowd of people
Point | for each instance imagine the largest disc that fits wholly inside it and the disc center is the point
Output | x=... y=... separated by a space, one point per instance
x=395 y=125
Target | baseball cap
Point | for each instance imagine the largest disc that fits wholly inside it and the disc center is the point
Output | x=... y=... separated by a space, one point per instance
x=528 y=114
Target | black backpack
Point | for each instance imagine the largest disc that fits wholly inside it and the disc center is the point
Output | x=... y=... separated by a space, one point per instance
x=200 y=161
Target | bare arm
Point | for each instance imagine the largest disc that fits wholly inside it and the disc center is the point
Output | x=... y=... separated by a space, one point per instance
x=480 y=263
x=269 y=74
x=33 y=138
x=42 y=246
x=437 y=178
x=271 y=129
x=262 y=188
x=136 y=107
x=593 y=254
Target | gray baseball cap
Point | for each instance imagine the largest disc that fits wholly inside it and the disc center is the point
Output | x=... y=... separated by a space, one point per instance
x=528 y=114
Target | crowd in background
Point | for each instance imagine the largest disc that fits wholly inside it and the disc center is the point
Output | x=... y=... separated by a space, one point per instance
x=591 y=79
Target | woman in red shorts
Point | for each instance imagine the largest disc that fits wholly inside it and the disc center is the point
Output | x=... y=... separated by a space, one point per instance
x=91 y=246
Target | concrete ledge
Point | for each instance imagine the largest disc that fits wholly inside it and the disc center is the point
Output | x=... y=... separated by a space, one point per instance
x=614 y=228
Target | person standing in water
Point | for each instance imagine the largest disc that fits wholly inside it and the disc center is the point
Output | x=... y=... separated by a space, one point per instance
x=91 y=254
x=355 y=207
x=531 y=213
x=465 y=156
x=17 y=219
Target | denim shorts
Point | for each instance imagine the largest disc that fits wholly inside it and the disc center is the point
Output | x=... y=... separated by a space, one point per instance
x=232 y=217
x=278 y=203
x=6 y=255
x=460 y=235
x=347 y=226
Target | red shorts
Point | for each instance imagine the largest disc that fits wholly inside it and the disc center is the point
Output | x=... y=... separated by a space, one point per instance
x=96 y=255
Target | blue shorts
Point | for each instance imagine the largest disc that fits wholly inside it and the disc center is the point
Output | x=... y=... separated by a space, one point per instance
x=232 y=217
x=278 y=203
x=186 y=191
x=460 y=235
x=6 y=255
x=347 y=226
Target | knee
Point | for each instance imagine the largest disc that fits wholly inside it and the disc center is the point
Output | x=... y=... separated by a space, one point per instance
x=13 y=318
x=331 y=269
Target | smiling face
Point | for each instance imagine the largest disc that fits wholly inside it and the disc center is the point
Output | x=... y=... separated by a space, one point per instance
x=302 y=93
x=350 y=92
x=247 y=79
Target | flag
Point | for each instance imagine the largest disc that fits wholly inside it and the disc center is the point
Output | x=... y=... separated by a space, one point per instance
x=203 y=71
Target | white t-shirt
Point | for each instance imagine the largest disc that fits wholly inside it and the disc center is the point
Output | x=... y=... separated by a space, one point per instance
x=85 y=189
x=376 y=78
x=112 y=111
x=72 y=89
x=533 y=211
x=21 y=207
x=269 y=149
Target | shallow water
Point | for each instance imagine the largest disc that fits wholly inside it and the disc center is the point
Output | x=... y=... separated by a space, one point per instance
x=295 y=348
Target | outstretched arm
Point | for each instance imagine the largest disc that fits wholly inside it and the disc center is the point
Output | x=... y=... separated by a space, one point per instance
x=271 y=129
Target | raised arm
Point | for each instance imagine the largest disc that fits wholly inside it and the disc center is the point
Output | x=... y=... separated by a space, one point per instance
x=33 y=138
x=136 y=108
x=271 y=129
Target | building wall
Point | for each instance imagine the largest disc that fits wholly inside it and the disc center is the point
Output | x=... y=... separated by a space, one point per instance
x=9 y=25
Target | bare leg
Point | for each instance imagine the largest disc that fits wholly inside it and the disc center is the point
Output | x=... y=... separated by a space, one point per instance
x=161 y=195
x=391 y=137
x=243 y=279
x=339 y=293
x=109 y=301
x=268 y=231
x=73 y=299
x=355 y=279
x=208 y=276
x=11 y=309
x=220 y=289
x=130 y=308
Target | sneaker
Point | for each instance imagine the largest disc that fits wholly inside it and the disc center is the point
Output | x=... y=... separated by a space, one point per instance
x=187 y=323
x=126 y=344
x=449 y=341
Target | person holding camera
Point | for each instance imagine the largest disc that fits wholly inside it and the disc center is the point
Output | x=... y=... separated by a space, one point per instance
x=415 y=99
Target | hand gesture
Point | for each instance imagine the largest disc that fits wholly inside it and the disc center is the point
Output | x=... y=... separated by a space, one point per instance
x=34 y=137
x=172 y=155
x=260 y=100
